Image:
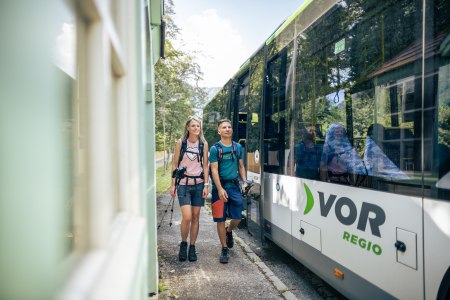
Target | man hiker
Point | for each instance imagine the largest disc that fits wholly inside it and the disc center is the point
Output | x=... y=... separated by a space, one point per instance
x=226 y=160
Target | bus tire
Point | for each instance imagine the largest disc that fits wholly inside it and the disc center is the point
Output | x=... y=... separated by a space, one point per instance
x=444 y=289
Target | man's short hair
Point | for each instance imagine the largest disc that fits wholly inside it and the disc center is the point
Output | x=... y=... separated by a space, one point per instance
x=223 y=121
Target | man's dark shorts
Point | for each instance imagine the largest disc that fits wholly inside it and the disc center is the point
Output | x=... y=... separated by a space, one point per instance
x=232 y=208
x=191 y=194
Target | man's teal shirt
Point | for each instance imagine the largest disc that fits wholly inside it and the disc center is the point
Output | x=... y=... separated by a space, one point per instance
x=228 y=168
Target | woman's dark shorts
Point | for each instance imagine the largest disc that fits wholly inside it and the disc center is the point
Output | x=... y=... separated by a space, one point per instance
x=232 y=208
x=191 y=194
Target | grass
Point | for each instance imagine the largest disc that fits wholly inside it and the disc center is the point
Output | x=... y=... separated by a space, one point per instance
x=163 y=182
x=161 y=287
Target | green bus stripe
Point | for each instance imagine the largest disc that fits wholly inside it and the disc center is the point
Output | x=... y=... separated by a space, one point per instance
x=241 y=69
x=287 y=22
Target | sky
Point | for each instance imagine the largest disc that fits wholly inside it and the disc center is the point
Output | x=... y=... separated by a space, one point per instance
x=227 y=32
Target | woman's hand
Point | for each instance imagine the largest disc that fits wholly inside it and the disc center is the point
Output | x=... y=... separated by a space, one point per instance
x=173 y=191
x=205 y=191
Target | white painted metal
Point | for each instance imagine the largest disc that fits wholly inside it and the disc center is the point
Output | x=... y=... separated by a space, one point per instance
x=360 y=251
x=436 y=244
x=408 y=257
x=281 y=191
x=311 y=235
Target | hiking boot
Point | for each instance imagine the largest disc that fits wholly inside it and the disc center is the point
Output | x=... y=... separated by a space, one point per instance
x=224 y=256
x=192 y=256
x=182 y=255
x=230 y=240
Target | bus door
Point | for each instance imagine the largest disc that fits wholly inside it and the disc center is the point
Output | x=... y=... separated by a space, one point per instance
x=278 y=187
x=240 y=118
x=240 y=124
x=254 y=213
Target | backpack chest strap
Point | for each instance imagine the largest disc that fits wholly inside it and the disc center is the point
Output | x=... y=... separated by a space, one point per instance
x=184 y=150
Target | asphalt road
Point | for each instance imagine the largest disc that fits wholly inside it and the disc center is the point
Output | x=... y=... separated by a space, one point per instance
x=206 y=278
x=160 y=162
x=302 y=282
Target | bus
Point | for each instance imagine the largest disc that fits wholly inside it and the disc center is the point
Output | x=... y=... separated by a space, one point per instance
x=344 y=117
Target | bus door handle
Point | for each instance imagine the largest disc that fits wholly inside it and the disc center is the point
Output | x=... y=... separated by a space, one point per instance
x=302 y=231
x=400 y=246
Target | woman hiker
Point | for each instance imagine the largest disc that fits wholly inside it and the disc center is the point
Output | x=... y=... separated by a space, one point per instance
x=190 y=182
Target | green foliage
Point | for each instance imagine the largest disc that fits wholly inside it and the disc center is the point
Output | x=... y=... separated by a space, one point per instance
x=161 y=288
x=444 y=123
x=177 y=92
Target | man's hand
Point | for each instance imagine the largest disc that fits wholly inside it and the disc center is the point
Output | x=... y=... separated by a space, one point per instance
x=244 y=186
x=223 y=195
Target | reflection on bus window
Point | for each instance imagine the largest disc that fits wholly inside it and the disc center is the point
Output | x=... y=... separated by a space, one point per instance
x=441 y=154
x=213 y=112
x=277 y=112
x=340 y=162
x=307 y=154
x=444 y=182
x=375 y=159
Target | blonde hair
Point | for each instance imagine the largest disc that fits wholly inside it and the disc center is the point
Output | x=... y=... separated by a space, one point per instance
x=185 y=135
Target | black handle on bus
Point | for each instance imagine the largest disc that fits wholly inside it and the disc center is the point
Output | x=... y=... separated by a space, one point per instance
x=400 y=246
x=302 y=231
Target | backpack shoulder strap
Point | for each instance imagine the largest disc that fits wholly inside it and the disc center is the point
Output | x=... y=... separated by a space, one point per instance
x=200 y=152
x=234 y=147
x=235 y=151
x=182 y=151
x=219 y=152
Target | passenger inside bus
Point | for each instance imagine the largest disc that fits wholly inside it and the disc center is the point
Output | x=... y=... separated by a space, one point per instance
x=340 y=163
x=375 y=159
x=307 y=154
x=443 y=156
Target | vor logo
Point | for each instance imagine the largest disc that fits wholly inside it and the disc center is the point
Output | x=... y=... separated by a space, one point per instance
x=346 y=211
x=309 y=200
